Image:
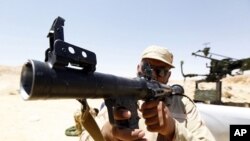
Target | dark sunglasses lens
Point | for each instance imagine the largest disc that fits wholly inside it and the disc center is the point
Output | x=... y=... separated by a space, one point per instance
x=161 y=72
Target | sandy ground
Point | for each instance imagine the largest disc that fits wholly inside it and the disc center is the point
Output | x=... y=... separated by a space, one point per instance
x=47 y=120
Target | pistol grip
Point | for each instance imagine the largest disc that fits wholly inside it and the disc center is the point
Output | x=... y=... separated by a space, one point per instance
x=129 y=103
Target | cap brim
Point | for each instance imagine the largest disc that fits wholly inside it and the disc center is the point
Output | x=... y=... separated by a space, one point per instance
x=157 y=57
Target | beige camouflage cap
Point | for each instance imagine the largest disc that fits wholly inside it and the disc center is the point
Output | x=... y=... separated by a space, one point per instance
x=158 y=53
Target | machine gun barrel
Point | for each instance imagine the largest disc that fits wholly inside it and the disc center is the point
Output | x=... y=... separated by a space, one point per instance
x=40 y=81
x=195 y=54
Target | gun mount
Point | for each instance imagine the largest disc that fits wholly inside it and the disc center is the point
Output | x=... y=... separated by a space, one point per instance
x=218 y=69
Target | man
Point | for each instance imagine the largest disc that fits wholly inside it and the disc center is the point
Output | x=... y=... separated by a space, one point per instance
x=175 y=118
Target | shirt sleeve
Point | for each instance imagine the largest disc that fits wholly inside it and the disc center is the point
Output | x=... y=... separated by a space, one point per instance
x=192 y=128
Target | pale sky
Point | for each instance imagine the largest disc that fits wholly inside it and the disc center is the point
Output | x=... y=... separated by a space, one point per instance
x=118 y=30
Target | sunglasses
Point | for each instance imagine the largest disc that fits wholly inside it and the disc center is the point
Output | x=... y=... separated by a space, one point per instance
x=159 y=71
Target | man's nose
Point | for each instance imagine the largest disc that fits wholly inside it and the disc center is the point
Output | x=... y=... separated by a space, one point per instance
x=154 y=75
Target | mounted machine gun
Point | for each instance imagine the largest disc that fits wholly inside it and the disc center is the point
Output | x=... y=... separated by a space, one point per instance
x=219 y=68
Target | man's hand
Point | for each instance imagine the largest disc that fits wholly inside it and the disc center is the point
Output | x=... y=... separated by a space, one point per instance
x=113 y=133
x=158 y=118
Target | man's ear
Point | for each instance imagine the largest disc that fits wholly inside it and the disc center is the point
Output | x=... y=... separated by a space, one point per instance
x=138 y=70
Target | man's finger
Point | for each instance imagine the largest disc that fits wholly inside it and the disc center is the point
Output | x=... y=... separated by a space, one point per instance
x=126 y=134
x=121 y=114
x=149 y=104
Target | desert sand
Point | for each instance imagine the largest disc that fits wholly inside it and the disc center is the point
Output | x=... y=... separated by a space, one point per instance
x=47 y=120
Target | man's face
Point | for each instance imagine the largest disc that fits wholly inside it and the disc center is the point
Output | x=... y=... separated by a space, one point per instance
x=160 y=70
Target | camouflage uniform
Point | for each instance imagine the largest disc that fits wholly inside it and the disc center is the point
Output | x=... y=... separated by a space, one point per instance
x=188 y=126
